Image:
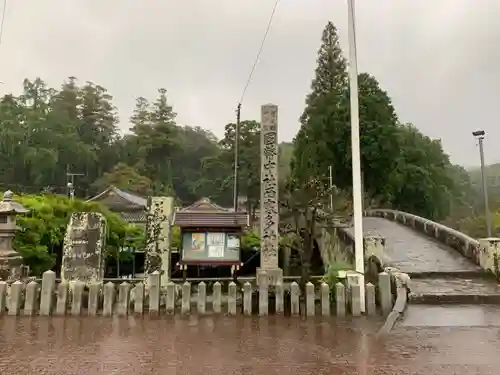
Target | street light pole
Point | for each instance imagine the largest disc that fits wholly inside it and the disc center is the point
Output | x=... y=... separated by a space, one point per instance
x=70 y=177
x=479 y=134
x=356 y=154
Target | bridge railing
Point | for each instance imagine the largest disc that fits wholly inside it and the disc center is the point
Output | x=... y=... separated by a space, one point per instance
x=485 y=253
x=374 y=248
x=336 y=245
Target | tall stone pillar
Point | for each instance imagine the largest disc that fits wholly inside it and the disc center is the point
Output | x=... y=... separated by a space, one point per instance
x=159 y=229
x=269 y=271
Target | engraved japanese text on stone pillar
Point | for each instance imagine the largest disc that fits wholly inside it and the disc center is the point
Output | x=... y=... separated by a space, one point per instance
x=269 y=204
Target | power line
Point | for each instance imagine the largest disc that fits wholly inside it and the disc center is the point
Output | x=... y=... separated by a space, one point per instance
x=238 y=110
x=260 y=50
x=2 y=22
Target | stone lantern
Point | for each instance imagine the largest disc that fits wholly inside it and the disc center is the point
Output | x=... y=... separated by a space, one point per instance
x=10 y=260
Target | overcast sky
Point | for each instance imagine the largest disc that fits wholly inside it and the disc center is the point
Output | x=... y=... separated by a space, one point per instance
x=438 y=59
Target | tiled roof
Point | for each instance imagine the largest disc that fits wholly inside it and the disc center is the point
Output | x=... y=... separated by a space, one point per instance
x=221 y=219
x=204 y=204
x=204 y=213
x=133 y=199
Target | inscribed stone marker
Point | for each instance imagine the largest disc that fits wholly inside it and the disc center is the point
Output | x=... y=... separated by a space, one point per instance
x=269 y=206
x=83 y=246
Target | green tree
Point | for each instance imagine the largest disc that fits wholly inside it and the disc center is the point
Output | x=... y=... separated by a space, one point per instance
x=401 y=168
x=462 y=195
x=249 y=160
x=325 y=137
x=330 y=74
x=328 y=92
x=98 y=129
x=125 y=177
x=65 y=123
x=40 y=238
x=155 y=131
x=216 y=179
x=475 y=225
x=420 y=183
x=39 y=158
x=46 y=133
x=284 y=159
x=302 y=216
x=195 y=146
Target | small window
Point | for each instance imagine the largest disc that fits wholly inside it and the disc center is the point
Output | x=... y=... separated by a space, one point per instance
x=3 y=219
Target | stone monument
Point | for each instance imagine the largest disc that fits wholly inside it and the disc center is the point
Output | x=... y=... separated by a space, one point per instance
x=269 y=271
x=10 y=261
x=84 y=243
x=158 y=233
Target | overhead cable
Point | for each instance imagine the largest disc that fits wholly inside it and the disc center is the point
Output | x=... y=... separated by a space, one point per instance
x=259 y=52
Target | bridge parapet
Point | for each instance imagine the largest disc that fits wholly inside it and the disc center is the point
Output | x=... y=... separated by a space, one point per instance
x=485 y=252
x=337 y=244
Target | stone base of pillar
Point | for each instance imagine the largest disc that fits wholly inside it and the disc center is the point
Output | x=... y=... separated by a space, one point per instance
x=269 y=276
x=10 y=266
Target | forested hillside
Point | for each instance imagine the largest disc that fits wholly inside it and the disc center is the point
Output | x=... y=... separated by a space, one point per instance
x=47 y=132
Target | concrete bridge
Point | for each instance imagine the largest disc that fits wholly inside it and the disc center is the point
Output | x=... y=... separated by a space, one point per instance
x=445 y=266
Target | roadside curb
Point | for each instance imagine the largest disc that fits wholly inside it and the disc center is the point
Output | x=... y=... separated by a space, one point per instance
x=397 y=311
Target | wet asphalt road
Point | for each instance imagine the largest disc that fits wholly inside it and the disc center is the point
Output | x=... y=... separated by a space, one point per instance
x=233 y=346
x=440 y=340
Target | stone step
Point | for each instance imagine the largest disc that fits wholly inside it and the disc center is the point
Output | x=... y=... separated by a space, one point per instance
x=455 y=299
x=467 y=315
x=451 y=275
x=449 y=290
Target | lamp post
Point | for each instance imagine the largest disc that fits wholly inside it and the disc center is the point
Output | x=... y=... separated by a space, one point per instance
x=71 y=190
x=356 y=155
x=71 y=182
x=479 y=135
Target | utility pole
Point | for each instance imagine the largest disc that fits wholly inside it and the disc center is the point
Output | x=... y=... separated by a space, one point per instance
x=356 y=155
x=479 y=134
x=237 y=157
x=330 y=179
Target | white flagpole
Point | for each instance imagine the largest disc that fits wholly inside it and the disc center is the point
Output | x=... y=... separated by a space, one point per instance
x=356 y=156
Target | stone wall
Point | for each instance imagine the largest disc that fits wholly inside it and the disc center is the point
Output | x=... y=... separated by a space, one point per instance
x=52 y=298
x=485 y=252
x=337 y=245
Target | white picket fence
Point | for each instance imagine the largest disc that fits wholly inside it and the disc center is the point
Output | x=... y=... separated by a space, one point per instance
x=76 y=298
